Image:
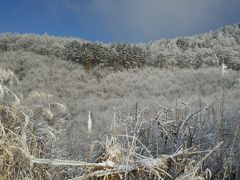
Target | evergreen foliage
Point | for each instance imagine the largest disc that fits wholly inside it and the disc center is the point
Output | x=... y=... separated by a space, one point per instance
x=116 y=55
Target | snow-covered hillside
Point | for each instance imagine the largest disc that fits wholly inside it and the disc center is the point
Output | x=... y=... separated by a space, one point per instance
x=106 y=78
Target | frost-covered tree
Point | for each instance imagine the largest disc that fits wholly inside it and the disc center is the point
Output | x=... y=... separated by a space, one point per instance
x=194 y=51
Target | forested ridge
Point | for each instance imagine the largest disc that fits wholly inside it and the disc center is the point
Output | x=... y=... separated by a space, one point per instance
x=209 y=49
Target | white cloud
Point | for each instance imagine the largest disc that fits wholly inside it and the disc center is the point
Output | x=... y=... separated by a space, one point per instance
x=150 y=19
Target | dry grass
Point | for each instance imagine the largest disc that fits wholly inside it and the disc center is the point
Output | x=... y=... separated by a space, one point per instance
x=20 y=137
x=27 y=144
x=17 y=136
x=119 y=163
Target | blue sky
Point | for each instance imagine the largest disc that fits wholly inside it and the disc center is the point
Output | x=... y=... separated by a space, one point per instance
x=117 y=20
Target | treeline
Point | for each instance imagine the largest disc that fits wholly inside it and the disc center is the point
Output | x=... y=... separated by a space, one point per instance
x=209 y=49
x=120 y=55
x=43 y=45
